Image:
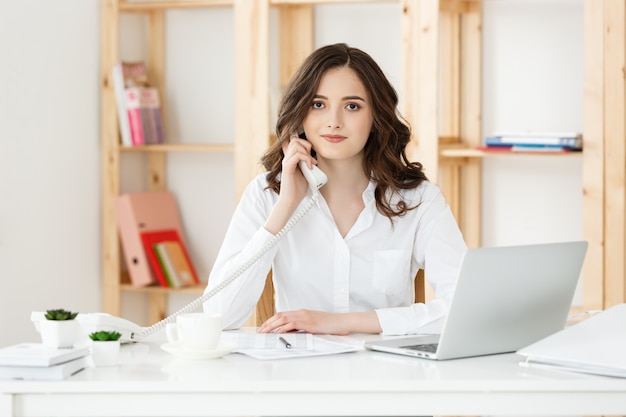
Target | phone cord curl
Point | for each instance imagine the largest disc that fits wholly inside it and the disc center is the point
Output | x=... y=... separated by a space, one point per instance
x=234 y=275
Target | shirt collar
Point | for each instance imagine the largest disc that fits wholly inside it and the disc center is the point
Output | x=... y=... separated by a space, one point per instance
x=368 y=194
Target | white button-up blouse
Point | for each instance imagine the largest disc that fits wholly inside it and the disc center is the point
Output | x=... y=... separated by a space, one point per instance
x=315 y=268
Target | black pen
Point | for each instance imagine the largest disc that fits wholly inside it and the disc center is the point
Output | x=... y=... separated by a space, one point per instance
x=286 y=343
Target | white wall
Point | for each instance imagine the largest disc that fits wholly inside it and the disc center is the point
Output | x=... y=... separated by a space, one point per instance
x=49 y=161
x=49 y=127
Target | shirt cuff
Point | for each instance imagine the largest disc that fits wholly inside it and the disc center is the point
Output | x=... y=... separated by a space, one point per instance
x=402 y=321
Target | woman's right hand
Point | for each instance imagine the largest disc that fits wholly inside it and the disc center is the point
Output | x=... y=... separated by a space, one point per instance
x=293 y=185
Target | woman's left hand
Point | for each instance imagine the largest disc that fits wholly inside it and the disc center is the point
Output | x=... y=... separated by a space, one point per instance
x=319 y=322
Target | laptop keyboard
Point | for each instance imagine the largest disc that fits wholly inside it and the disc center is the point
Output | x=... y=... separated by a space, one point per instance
x=430 y=347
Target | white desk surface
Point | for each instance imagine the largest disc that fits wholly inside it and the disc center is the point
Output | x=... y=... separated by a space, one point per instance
x=151 y=382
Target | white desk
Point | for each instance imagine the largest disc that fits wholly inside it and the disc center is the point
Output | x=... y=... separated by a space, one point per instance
x=150 y=382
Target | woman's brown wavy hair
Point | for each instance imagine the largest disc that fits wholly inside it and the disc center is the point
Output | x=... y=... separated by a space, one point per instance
x=385 y=161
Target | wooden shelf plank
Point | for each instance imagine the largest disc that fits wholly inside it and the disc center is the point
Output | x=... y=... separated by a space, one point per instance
x=126 y=6
x=479 y=153
x=314 y=2
x=180 y=147
x=448 y=6
x=196 y=289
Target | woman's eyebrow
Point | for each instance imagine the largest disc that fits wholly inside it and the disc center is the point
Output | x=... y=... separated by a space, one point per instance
x=354 y=98
x=319 y=96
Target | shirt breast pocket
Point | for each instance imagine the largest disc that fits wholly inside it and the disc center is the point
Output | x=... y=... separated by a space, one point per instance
x=391 y=271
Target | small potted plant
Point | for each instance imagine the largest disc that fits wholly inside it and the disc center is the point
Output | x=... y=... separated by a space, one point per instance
x=59 y=329
x=105 y=347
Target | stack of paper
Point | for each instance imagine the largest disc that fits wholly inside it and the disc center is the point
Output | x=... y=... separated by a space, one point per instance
x=596 y=345
x=34 y=361
x=274 y=346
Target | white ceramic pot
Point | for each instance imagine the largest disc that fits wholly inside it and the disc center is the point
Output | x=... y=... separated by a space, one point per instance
x=105 y=353
x=59 y=333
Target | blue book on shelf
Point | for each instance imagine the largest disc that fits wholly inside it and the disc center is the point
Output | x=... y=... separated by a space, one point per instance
x=542 y=148
x=571 y=142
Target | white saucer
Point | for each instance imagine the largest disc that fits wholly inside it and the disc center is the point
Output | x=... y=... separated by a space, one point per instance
x=177 y=350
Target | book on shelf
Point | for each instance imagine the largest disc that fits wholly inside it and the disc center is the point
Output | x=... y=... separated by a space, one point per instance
x=570 y=140
x=175 y=263
x=133 y=114
x=144 y=115
x=39 y=355
x=139 y=106
x=543 y=148
x=537 y=133
x=122 y=117
x=150 y=107
x=137 y=213
x=527 y=148
x=127 y=74
x=169 y=258
x=56 y=372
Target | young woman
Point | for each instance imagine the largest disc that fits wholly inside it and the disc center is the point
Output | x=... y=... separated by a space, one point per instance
x=348 y=265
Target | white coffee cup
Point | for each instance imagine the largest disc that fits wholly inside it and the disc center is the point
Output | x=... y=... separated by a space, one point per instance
x=195 y=331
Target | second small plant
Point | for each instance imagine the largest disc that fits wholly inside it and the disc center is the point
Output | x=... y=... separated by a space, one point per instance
x=105 y=336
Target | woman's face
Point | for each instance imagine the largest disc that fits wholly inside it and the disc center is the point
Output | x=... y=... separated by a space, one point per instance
x=340 y=118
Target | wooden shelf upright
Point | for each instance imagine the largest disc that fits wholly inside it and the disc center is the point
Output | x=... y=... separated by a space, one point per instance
x=604 y=156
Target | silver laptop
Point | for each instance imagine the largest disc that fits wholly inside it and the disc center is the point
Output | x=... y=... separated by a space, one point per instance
x=506 y=298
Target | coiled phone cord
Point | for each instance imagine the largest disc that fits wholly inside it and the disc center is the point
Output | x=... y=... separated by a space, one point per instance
x=244 y=267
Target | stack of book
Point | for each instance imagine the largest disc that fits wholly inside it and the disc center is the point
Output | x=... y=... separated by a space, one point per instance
x=534 y=142
x=34 y=361
x=169 y=258
x=153 y=243
x=138 y=104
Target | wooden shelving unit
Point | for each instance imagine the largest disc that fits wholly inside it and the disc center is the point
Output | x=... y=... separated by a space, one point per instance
x=441 y=61
x=114 y=283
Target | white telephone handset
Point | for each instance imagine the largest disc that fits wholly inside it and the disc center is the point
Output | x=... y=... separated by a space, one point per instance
x=314 y=176
x=132 y=332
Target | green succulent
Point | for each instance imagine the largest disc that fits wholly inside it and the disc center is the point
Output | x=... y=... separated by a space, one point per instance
x=105 y=336
x=60 y=314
